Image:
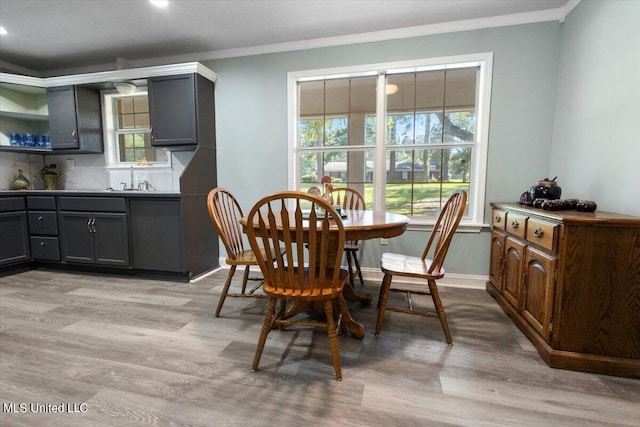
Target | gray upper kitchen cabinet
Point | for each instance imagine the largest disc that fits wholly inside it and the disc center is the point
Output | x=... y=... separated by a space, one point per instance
x=181 y=110
x=14 y=244
x=94 y=230
x=75 y=119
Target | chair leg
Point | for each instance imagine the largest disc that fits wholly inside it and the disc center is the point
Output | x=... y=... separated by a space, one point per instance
x=350 y=264
x=245 y=278
x=382 y=301
x=357 y=264
x=223 y=295
x=433 y=288
x=333 y=339
x=266 y=328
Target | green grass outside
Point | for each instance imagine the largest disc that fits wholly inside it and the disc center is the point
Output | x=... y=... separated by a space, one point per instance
x=427 y=197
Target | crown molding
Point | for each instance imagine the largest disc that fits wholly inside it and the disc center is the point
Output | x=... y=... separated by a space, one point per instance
x=409 y=32
x=112 y=76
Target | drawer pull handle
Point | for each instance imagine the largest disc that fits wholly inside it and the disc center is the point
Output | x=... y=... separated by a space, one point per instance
x=40 y=218
x=515 y=224
x=498 y=218
x=538 y=232
x=41 y=243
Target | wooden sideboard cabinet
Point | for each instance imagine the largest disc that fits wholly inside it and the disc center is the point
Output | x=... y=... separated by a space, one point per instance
x=571 y=282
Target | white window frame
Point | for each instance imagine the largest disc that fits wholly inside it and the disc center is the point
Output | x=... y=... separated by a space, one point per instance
x=109 y=119
x=475 y=220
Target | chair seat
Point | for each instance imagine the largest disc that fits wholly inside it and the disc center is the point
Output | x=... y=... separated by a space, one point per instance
x=246 y=257
x=408 y=266
x=321 y=290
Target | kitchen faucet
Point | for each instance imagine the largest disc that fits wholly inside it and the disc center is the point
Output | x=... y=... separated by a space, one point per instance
x=131 y=187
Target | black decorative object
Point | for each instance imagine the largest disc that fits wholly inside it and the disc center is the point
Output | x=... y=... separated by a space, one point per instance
x=525 y=198
x=546 y=189
x=586 y=206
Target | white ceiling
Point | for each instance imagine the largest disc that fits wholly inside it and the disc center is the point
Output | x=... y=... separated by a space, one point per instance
x=49 y=36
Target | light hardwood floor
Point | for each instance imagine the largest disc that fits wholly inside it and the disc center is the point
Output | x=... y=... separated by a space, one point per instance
x=148 y=352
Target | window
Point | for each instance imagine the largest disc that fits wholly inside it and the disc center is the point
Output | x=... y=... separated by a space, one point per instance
x=406 y=135
x=128 y=133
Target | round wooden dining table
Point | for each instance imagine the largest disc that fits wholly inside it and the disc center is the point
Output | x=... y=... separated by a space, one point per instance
x=362 y=225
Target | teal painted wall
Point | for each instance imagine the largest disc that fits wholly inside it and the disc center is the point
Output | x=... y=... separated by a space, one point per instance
x=596 y=135
x=529 y=62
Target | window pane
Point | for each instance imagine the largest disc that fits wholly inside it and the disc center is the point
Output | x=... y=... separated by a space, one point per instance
x=310 y=132
x=459 y=126
x=347 y=169
x=416 y=190
x=335 y=131
x=133 y=112
x=125 y=105
x=142 y=120
x=460 y=105
x=126 y=121
x=400 y=129
x=141 y=104
x=370 y=130
x=336 y=96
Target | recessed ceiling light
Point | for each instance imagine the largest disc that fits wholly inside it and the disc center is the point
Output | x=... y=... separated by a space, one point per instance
x=160 y=3
x=3 y=31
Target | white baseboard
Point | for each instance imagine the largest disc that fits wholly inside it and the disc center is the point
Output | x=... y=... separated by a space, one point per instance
x=468 y=281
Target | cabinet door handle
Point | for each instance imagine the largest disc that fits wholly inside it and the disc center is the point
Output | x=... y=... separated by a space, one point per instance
x=89 y=224
x=73 y=134
x=93 y=225
x=538 y=232
x=40 y=218
x=498 y=218
x=41 y=243
x=151 y=132
x=515 y=224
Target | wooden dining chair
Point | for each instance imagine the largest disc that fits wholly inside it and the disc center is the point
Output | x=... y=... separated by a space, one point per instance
x=225 y=213
x=350 y=199
x=423 y=268
x=308 y=272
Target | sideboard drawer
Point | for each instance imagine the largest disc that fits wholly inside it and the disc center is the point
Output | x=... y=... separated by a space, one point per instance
x=517 y=224
x=499 y=218
x=543 y=234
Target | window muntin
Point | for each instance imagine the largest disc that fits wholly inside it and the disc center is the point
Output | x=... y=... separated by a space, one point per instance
x=436 y=115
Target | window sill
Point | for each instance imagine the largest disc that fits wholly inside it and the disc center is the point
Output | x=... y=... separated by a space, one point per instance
x=138 y=167
x=422 y=225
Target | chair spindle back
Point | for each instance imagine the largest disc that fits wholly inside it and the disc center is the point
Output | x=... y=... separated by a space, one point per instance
x=225 y=213
x=445 y=228
x=308 y=229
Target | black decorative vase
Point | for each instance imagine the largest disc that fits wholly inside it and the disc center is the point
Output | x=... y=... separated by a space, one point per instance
x=546 y=189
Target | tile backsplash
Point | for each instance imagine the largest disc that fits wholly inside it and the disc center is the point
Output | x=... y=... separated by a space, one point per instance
x=88 y=172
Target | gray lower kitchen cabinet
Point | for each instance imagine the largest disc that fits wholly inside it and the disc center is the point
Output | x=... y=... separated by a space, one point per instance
x=157 y=241
x=14 y=244
x=75 y=119
x=94 y=230
x=43 y=228
x=94 y=238
x=145 y=234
